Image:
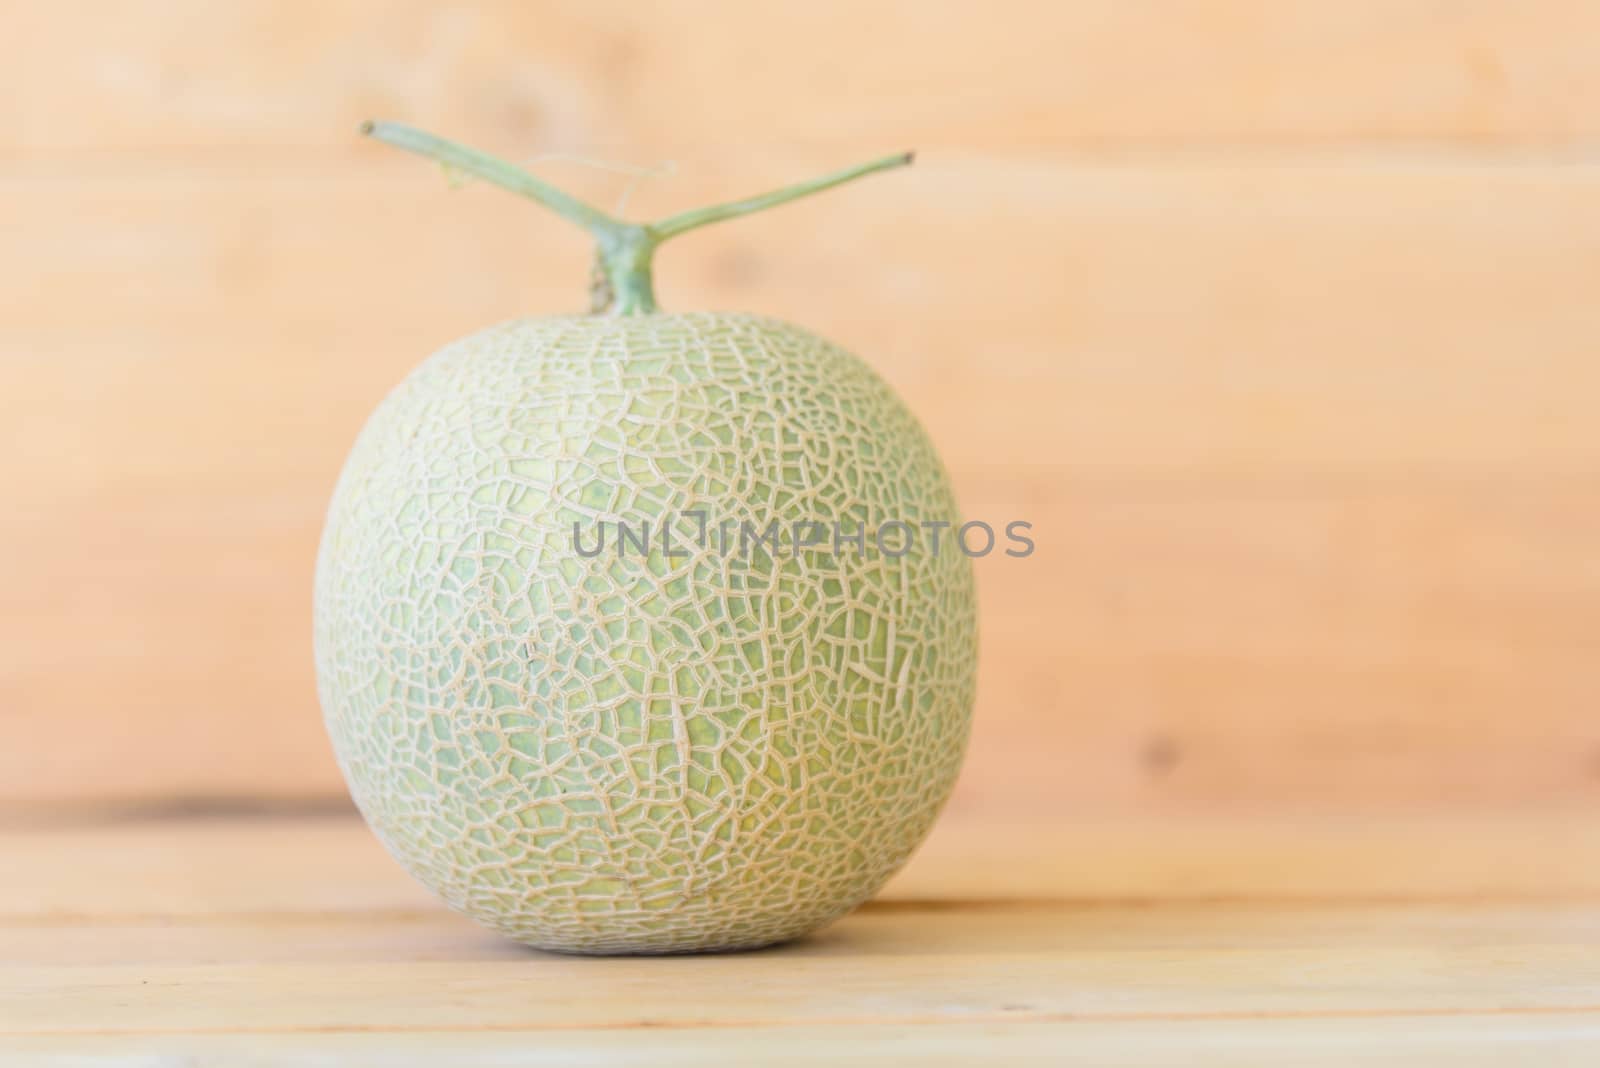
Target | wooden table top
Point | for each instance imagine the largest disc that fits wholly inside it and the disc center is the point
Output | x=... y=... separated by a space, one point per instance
x=1142 y=940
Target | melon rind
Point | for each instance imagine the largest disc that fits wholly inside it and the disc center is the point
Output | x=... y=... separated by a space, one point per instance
x=643 y=754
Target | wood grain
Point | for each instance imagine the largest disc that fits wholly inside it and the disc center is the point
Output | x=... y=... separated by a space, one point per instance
x=1504 y=1040
x=258 y=78
x=1317 y=532
x=1287 y=320
x=1248 y=645
x=800 y=990
x=153 y=873
x=1200 y=939
x=1276 y=320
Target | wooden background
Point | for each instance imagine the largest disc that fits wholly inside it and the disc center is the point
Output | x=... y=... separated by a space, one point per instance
x=1279 y=320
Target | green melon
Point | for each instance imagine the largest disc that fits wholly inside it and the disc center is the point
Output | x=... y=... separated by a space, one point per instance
x=719 y=732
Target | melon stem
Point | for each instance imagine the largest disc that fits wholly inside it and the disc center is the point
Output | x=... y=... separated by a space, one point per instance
x=490 y=169
x=690 y=220
x=624 y=282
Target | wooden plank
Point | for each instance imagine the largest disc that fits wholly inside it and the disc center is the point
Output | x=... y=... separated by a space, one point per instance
x=1483 y=940
x=1166 y=644
x=1320 y=529
x=1508 y=1040
x=795 y=986
x=322 y=870
x=1278 y=321
x=878 y=930
x=261 y=79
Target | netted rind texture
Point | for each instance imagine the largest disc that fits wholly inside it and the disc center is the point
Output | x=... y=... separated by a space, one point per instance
x=709 y=745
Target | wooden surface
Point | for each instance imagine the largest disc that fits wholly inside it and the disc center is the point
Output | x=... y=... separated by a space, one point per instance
x=1140 y=940
x=1276 y=319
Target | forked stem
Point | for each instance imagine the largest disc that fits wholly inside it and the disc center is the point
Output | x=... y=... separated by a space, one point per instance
x=690 y=220
x=623 y=251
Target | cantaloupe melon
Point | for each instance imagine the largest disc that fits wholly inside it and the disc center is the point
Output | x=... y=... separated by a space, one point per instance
x=688 y=739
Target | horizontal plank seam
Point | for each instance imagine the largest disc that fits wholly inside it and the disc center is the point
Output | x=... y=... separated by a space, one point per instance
x=62 y=918
x=297 y=160
x=40 y=816
x=775 y=1023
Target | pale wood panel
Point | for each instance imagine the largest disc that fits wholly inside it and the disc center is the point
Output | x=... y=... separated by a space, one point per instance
x=258 y=78
x=1173 y=940
x=1167 y=642
x=1298 y=396
x=877 y=930
x=1504 y=1040
x=1309 y=445
x=1480 y=968
x=1011 y=982
x=1349 y=459
x=1290 y=321
x=332 y=872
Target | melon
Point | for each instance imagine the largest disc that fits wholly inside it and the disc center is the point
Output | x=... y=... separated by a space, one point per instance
x=631 y=631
